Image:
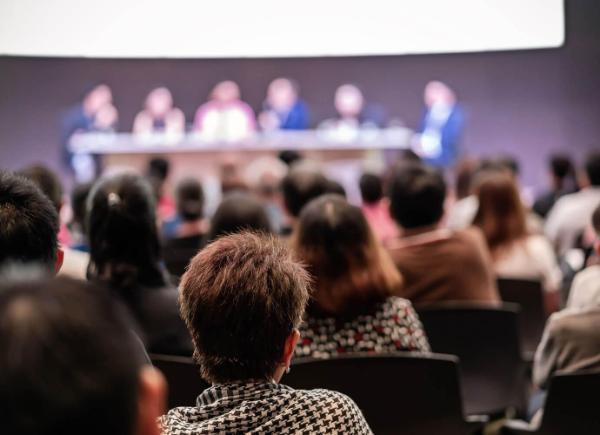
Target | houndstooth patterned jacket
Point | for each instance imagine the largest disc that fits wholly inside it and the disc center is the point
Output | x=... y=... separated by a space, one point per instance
x=266 y=408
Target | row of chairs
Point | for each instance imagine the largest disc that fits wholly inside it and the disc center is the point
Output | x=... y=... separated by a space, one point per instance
x=410 y=393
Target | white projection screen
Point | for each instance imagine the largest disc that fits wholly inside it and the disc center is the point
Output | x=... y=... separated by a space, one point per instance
x=274 y=28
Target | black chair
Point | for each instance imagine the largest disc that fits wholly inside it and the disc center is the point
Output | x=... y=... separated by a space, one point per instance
x=183 y=376
x=571 y=407
x=486 y=341
x=400 y=393
x=532 y=319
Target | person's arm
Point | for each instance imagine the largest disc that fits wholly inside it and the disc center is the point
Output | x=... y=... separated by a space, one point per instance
x=551 y=273
x=546 y=355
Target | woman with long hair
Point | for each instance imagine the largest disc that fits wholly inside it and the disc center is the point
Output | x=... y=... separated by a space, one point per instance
x=352 y=308
x=125 y=255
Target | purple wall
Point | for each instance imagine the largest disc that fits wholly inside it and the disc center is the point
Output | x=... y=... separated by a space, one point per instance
x=529 y=103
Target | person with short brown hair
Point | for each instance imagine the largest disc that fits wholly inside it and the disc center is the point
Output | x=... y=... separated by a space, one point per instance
x=242 y=298
x=354 y=279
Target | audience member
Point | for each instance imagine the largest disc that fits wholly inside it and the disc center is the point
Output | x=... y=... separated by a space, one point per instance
x=375 y=208
x=191 y=228
x=159 y=115
x=157 y=172
x=353 y=282
x=125 y=255
x=516 y=253
x=585 y=290
x=562 y=179
x=462 y=211
x=28 y=224
x=74 y=262
x=239 y=212
x=70 y=363
x=283 y=108
x=243 y=298
x=225 y=116
x=437 y=264
x=299 y=186
x=77 y=225
x=568 y=218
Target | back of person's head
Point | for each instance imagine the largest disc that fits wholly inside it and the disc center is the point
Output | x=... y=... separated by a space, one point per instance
x=371 y=188
x=592 y=168
x=122 y=232
x=158 y=167
x=417 y=193
x=300 y=186
x=335 y=187
x=289 y=157
x=561 y=166
x=350 y=268
x=242 y=297
x=28 y=223
x=79 y=197
x=239 y=212
x=190 y=199
x=465 y=171
x=501 y=214
x=70 y=363
x=510 y=163
x=47 y=181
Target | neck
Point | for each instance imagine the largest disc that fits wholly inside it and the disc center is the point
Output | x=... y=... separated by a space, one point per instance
x=408 y=232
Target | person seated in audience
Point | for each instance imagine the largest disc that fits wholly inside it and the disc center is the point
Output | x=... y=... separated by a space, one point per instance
x=299 y=186
x=191 y=227
x=70 y=363
x=353 y=282
x=585 y=290
x=462 y=210
x=225 y=116
x=157 y=173
x=562 y=179
x=125 y=255
x=79 y=197
x=567 y=220
x=239 y=211
x=376 y=208
x=28 y=225
x=283 y=108
x=437 y=264
x=159 y=115
x=243 y=298
x=516 y=252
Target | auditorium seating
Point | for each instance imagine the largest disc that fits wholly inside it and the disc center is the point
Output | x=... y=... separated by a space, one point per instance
x=404 y=393
x=571 y=407
x=183 y=377
x=532 y=318
x=486 y=341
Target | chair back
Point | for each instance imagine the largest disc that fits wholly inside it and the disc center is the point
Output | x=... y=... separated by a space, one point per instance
x=486 y=340
x=532 y=318
x=183 y=377
x=404 y=393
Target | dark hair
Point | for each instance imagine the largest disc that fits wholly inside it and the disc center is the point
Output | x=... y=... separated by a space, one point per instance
x=70 y=363
x=501 y=215
x=465 y=172
x=561 y=166
x=241 y=298
x=158 y=167
x=301 y=185
x=79 y=197
x=371 y=188
x=289 y=156
x=47 y=181
x=417 y=195
x=335 y=187
x=350 y=268
x=592 y=168
x=596 y=220
x=124 y=243
x=190 y=199
x=28 y=222
x=510 y=163
x=239 y=212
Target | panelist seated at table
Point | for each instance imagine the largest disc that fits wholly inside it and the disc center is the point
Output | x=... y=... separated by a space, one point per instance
x=225 y=116
x=353 y=113
x=159 y=115
x=283 y=108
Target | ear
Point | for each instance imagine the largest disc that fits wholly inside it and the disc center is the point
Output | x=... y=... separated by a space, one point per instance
x=289 y=347
x=60 y=257
x=152 y=393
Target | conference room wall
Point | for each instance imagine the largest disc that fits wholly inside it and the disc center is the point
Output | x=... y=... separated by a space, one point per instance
x=528 y=103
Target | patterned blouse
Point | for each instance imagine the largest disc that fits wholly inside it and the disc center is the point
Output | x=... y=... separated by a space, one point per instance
x=266 y=408
x=393 y=326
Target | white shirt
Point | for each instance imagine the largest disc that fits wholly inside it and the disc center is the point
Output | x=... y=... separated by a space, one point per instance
x=531 y=258
x=585 y=290
x=569 y=217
